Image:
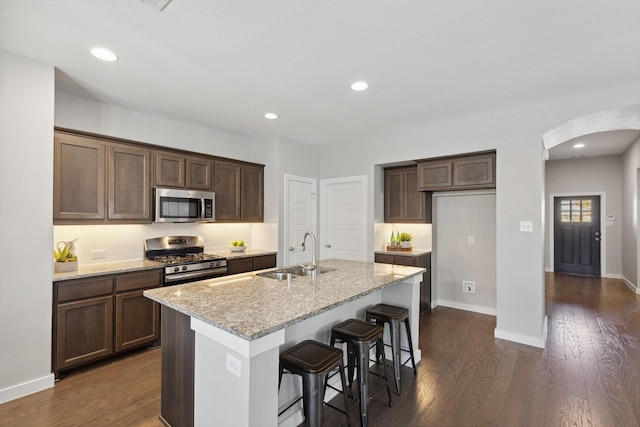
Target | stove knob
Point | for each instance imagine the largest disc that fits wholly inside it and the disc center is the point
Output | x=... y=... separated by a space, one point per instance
x=176 y=269
x=184 y=268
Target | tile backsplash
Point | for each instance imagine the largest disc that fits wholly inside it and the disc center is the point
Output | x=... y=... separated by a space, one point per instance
x=107 y=243
x=421 y=235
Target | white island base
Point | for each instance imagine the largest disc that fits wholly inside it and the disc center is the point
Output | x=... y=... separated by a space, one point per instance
x=236 y=380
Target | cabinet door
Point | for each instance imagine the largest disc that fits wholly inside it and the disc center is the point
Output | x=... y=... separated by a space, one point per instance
x=474 y=172
x=393 y=196
x=227 y=189
x=84 y=331
x=128 y=183
x=169 y=169
x=434 y=175
x=78 y=183
x=252 y=193
x=199 y=174
x=137 y=320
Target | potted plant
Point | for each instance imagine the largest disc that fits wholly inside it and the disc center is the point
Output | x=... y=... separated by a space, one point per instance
x=405 y=240
x=66 y=260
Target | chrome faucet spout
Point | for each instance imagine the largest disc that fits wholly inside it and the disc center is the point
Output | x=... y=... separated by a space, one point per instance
x=313 y=264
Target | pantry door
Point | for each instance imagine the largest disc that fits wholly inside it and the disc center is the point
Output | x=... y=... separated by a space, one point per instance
x=577 y=235
x=300 y=217
x=343 y=218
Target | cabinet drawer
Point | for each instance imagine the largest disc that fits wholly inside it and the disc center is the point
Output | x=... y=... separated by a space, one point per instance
x=86 y=288
x=384 y=259
x=264 y=261
x=404 y=260
x=241 y=265
x=141 y=280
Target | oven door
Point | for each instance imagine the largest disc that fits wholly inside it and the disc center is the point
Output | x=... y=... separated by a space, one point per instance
x=173 y=205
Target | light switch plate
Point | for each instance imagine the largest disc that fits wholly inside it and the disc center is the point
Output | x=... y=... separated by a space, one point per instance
x=526 y=226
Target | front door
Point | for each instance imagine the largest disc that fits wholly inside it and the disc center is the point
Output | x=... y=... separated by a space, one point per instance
x=577 y=235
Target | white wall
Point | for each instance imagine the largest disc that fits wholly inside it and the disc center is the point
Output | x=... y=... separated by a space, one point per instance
x=590 y=175
x=630 y=215
x=517 y=136
x=456 y=260
x=26 y=193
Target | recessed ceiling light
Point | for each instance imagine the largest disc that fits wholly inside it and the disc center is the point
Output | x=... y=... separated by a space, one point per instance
x=578 y=145
x=271 y=116
x=104 y=54
x=359 y=86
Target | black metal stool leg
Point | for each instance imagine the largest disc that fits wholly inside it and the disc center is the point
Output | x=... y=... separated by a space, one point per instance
x=363 y=380
x=343 y=380
x=395 y=333
x=312 y=398
x=380 y=343
x=408 y=328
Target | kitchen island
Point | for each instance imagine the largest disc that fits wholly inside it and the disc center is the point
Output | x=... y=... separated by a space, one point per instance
x=241 y=322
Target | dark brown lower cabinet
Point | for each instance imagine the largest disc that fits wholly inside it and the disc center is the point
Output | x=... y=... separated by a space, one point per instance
x=97 y=318
x=413 y=261
x=250 y=263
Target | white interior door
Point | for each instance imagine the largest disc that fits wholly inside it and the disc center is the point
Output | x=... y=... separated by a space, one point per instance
x=344 y=218
x=300 y=217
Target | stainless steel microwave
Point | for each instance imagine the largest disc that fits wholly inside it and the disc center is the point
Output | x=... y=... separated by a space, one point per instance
x=174 y=205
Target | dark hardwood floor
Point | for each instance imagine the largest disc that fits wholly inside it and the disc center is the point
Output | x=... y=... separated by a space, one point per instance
x=588 y=374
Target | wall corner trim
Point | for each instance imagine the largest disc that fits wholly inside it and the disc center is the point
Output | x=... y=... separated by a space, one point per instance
x=524 y=339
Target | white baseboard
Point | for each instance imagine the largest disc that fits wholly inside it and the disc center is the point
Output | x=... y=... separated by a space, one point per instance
x=27 y=388
x=630 y=285
x=612 y=276
x=468 y=307
x=524 y=339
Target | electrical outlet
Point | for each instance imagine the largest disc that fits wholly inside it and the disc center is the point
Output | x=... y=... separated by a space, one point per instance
x=469 y=287
x=472 y=240
x=234 y=365
x=526 y=226
x=99 y=254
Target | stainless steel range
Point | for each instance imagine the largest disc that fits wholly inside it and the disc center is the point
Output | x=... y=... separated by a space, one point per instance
x=184 y=258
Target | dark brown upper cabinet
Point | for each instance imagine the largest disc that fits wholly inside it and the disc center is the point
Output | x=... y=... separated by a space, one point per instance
x=403 y=203
x=97 y=180
x=239 y=189
x=177 y=170
x=465 y=172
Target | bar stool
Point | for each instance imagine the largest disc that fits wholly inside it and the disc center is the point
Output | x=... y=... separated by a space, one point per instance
x=359 y=335
x=393 y=315
x=313 y=361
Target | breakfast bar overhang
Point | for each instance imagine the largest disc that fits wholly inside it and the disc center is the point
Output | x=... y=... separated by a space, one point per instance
x=242 y=322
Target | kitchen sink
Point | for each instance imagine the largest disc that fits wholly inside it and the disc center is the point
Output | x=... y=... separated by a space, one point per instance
x=295 y=271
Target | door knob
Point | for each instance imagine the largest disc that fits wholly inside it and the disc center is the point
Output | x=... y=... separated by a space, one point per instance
x=597 y=239
x=291 y=249
x=328 y=245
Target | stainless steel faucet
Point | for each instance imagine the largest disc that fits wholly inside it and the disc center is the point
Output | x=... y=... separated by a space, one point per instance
x=313 y=265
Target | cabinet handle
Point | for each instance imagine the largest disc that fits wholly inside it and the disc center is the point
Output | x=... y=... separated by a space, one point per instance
x=328 y=245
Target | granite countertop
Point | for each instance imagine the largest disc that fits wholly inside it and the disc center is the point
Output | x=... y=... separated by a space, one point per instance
x=116 y=267
x=413 y=252
x=247 y=253
x=251 y=306
x=91 y=270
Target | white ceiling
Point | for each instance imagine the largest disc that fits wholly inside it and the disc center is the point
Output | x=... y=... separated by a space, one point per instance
x=224 y=63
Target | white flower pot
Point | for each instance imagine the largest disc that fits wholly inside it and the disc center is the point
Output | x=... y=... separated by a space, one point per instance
x=65 y=267
x=406 y=244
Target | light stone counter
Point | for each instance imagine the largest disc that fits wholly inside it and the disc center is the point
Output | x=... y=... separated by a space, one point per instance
x=251 y=306
x=92 y=270
x=413 y=252
x=233 y=328
x=246 y=254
